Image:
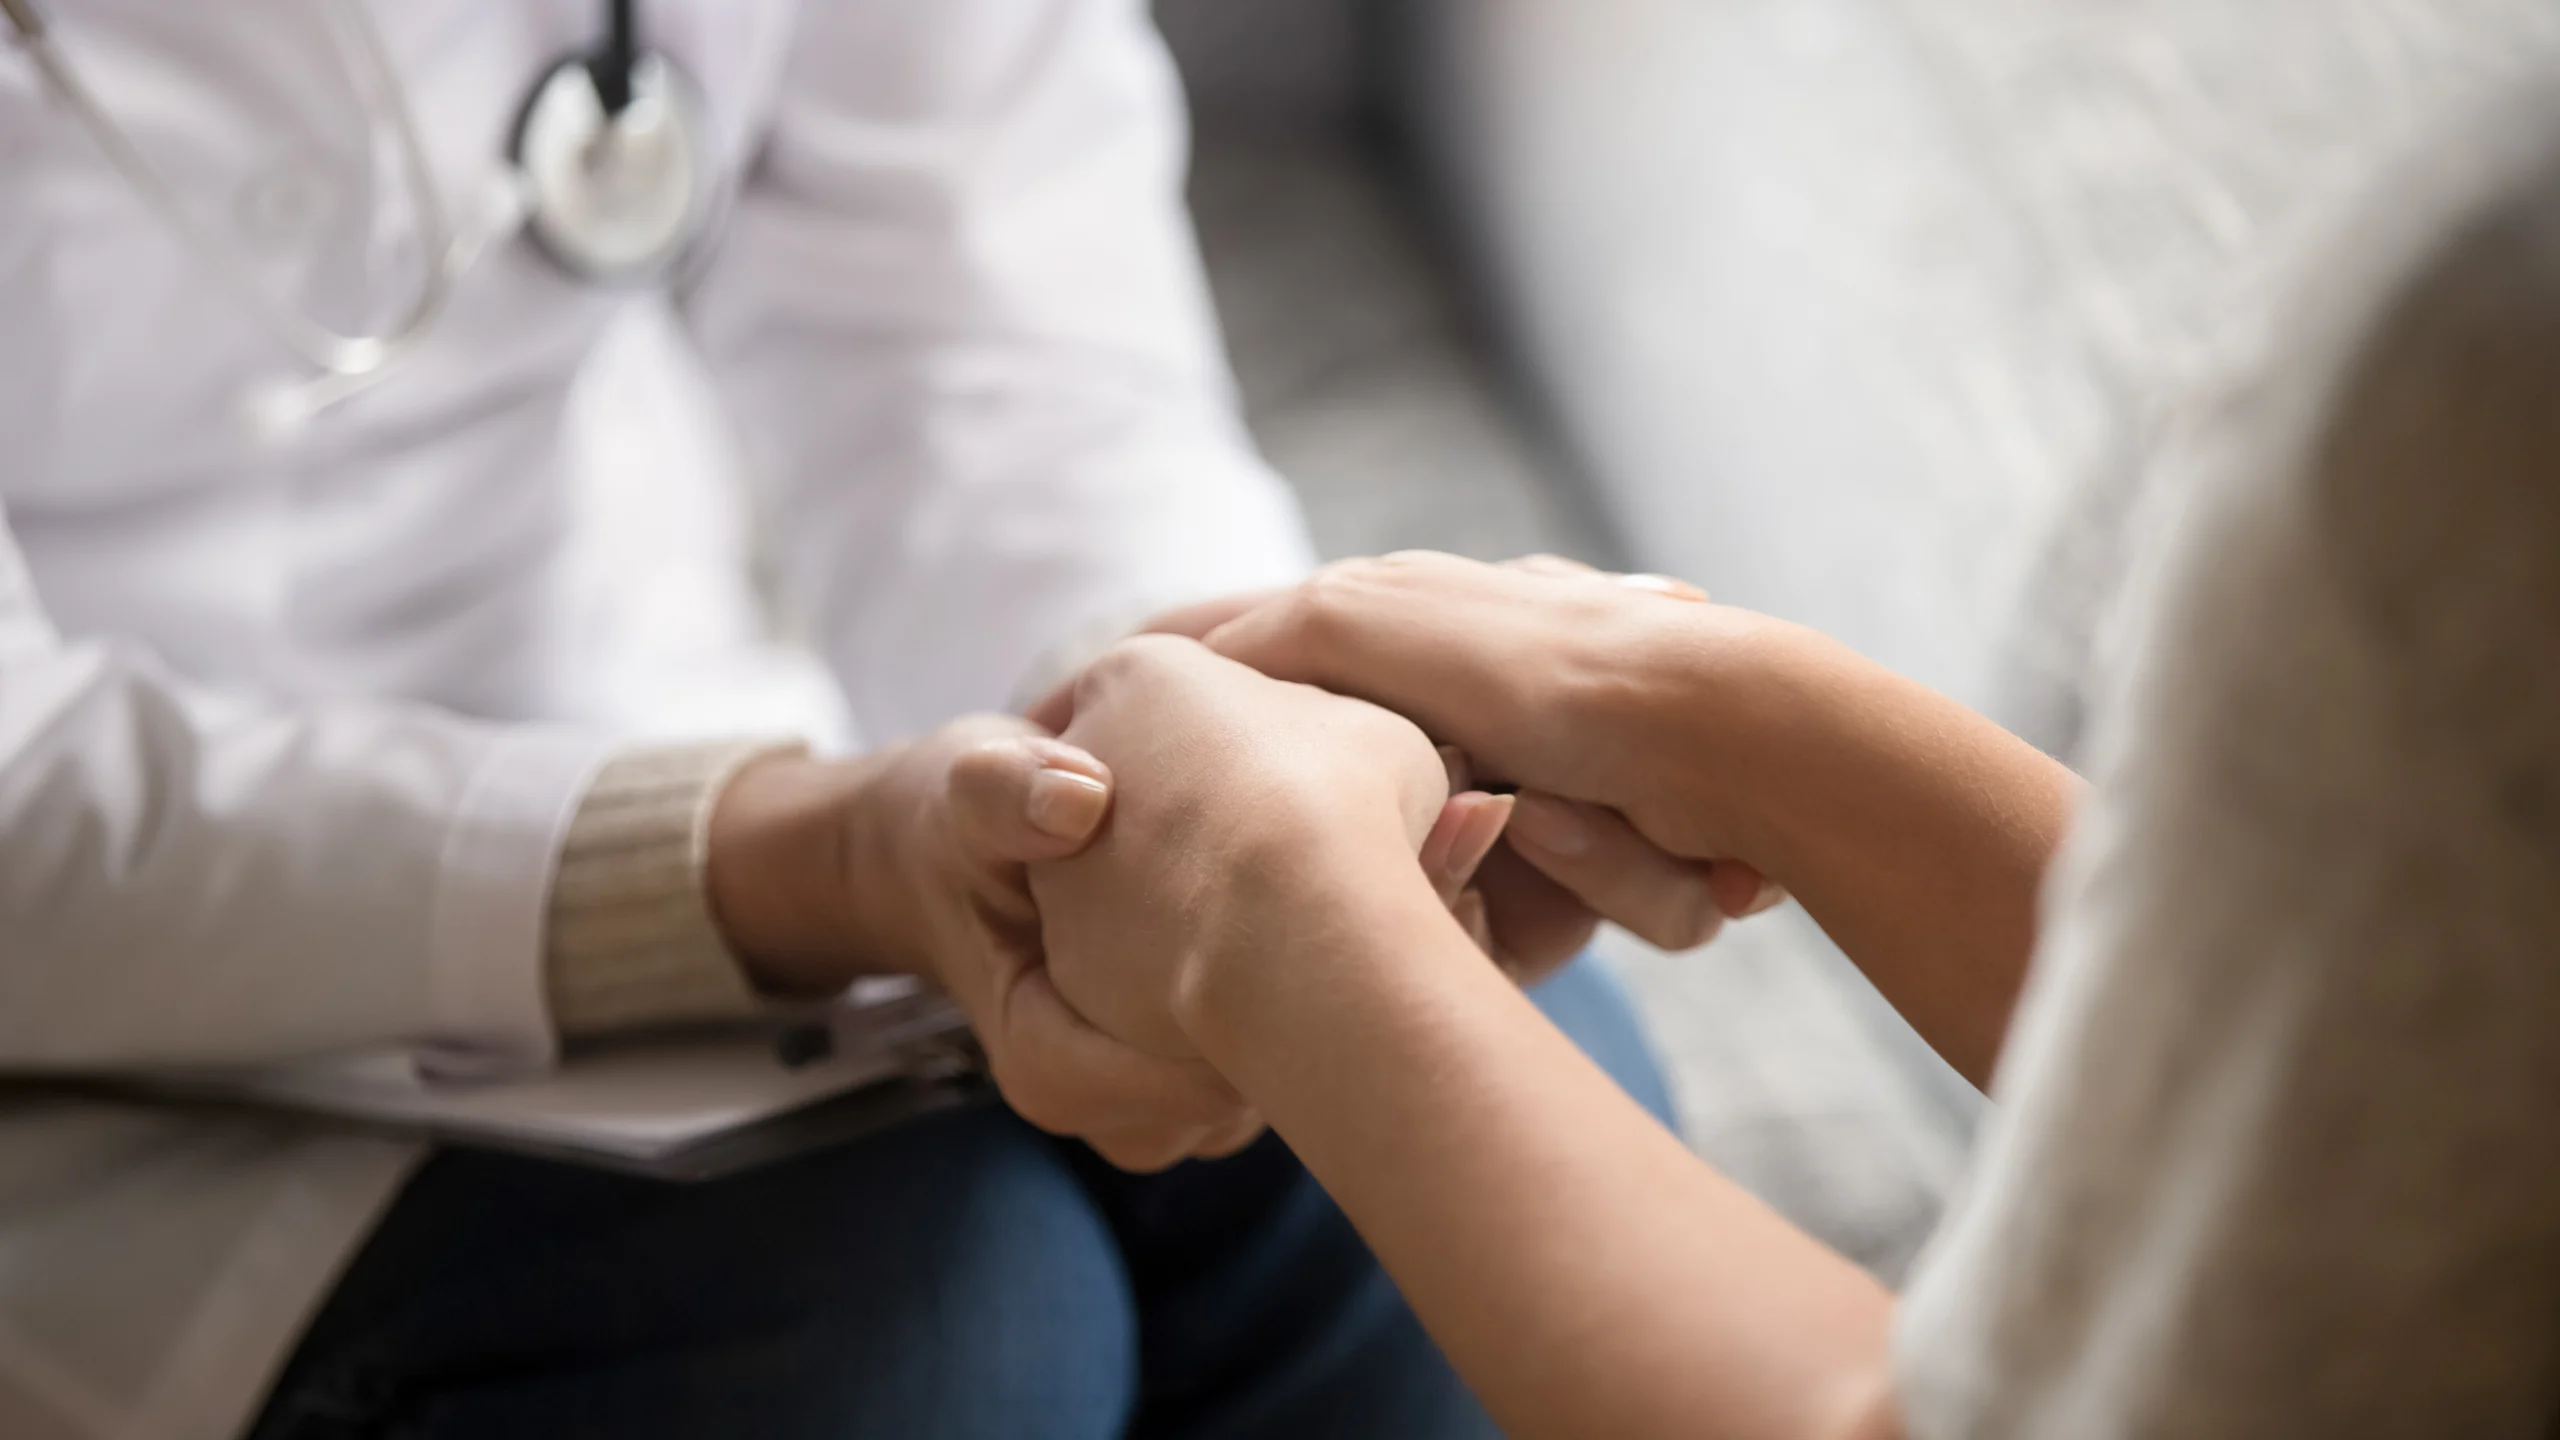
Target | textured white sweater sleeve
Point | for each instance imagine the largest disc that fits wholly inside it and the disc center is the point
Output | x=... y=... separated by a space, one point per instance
x=632 y=941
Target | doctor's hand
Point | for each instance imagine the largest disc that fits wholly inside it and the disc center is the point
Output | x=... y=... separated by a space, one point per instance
x=912 y=861
x=1246 y=808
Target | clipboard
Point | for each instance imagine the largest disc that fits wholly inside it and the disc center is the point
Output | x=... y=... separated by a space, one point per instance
x=687 y=1106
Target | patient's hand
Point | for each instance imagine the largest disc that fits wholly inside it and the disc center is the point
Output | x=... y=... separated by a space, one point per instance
x=912 y=860
x=1916 y=831
x=1532 y=897
x=1235 y=795
x=1523 y=666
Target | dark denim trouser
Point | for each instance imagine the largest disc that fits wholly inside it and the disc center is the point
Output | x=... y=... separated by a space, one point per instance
x=963 y=1277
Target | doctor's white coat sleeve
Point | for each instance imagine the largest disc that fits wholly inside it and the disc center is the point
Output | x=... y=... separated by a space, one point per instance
x=194 y=880
x=959 y=319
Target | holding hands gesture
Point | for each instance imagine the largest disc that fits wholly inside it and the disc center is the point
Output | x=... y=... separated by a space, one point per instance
x=1244 y=803
x=913 y=861
x=1483 y=658
x=1276 y=772
x=1252 y=794
x=1273 y=894
x=1676 y=763
x=1279 y=891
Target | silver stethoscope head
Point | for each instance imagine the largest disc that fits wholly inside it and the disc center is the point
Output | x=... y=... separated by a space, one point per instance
x=614 y=153
x=610 y=170
x=617 y=193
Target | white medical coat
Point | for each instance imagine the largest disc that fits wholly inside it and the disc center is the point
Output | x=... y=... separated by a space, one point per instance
x=289 y=733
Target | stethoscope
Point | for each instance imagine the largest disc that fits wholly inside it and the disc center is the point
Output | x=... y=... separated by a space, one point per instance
x=611 y=171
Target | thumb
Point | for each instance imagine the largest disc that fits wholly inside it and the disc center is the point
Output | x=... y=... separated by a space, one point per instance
x=1469 y=824
x=1027 y=797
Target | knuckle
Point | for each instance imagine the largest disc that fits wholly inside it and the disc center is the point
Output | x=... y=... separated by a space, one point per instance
x=984 y=765
x=1326 y=608
x=1145 y=1154
x=1549 y=952
x=1341 y=579
x=1339 y=596
x=1029 y=1094
x=1212 y=1106
x=1689 y=919
x=1157 y=650
x=1035 y=1112
x=1133 y=659
x=1525 y=972
x=972 y=730
x=1101 y=673
x=1114 y=666
x=1768 y=897
x=1393 y=734
x=1426 y=567
x=1337 y=582
x=1234 y=1141
x=1189 y=1097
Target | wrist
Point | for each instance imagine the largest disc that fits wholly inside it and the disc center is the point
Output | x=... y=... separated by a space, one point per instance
x=1686 y=708
x=1791 y=750
x=1329 y=920
x=777 y=854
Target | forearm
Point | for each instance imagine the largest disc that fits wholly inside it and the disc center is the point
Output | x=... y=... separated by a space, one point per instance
x=1584 y=1272
x=190 y=879
x=1915 y=831
x=788 y=842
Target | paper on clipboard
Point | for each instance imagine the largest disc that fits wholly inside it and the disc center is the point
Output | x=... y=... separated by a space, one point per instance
x=687 y=1105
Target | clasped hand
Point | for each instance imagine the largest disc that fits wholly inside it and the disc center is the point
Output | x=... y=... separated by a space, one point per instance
x=1207 y=792
x=1252 y=805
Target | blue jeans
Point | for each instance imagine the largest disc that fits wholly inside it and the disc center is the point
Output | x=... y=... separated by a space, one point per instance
x=962 y=1277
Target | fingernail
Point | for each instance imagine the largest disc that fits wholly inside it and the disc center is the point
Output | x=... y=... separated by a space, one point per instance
x=1771 y=895
x=1663 y=585
x=1434 y=855
x=1065 y=804
x=1485 y=824
x=1549 y=825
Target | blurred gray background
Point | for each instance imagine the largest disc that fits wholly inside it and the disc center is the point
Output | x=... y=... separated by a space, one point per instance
x=1862 y=312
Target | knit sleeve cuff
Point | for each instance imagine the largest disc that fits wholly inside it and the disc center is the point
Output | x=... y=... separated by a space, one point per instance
x=632 y=943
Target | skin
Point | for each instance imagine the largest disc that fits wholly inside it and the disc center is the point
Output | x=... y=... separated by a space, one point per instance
x=1914 y=830
x=1251 y=904
x=910 y=861
x=1540 y=903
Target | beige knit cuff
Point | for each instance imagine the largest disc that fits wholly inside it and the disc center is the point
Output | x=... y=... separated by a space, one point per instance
x=632 y=942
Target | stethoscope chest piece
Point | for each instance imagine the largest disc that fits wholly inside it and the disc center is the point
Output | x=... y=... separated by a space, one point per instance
x=616 y=194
